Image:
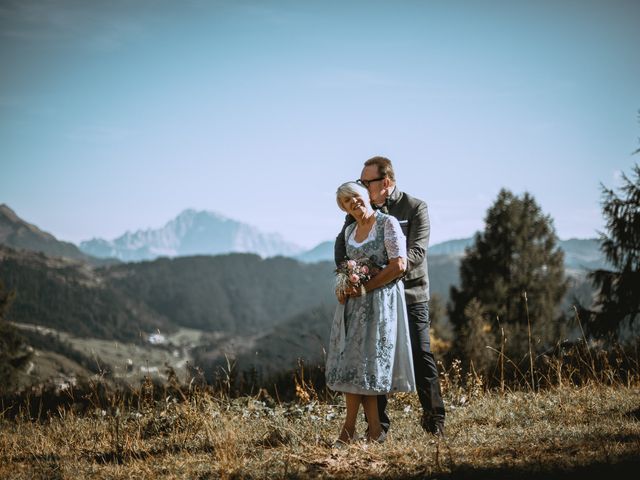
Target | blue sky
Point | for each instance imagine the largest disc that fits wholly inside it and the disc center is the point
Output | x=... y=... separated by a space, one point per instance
x=118 y=115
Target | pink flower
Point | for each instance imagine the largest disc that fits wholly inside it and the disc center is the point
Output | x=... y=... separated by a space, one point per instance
x=351 y=264
x=354 y=278
x=364 y=269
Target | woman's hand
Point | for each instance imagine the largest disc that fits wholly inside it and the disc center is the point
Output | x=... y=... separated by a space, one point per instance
x=350 y=292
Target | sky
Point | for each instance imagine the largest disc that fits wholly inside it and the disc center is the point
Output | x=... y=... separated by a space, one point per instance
x=118 y=115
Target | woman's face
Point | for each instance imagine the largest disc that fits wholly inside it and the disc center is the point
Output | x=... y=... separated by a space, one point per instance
x=356 y=206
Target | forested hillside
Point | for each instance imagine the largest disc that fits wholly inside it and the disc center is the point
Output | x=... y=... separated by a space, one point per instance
x=71 y=297
x=235 y=293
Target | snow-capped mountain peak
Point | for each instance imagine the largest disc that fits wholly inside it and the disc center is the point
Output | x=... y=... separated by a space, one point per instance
x=192 y=232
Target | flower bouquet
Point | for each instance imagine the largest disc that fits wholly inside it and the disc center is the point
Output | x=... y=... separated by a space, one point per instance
x=354 y=274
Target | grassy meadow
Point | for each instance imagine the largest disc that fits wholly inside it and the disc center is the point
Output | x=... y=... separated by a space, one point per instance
x=571 y=429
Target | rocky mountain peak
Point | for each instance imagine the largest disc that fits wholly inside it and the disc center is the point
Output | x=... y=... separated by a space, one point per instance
x=192 y=232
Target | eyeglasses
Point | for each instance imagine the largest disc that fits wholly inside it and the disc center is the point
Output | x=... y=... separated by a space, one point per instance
x=366 y=183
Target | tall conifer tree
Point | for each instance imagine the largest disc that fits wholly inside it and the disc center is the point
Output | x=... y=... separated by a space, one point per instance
x=13 y=354
x=618 y=301
x=515 y=272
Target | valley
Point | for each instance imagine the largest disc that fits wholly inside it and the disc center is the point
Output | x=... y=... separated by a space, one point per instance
x=126 y=362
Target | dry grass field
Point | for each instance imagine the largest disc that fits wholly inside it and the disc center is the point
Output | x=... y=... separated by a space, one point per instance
x=564 y=431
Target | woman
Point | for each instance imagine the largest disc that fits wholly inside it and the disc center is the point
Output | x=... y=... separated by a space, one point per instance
x=369 y=349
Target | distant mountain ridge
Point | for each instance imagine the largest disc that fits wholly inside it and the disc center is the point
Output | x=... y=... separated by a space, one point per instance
x=455 y=247
x=208 y=233
x=580 y=253
x=322 y=252
x=192 y=233
x=19 y=234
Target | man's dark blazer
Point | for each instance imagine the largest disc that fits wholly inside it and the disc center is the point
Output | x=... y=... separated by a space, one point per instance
x=413 y=216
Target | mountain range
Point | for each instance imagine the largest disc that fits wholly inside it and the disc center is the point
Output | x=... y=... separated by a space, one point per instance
x=208 y=233
x=274 y=310
x=579 y=253
x=191 y=233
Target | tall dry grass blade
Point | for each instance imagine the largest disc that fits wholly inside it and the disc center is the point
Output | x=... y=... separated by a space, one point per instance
x=591 y=365
x=501 y=355
x=526 y=307
x=515 y=366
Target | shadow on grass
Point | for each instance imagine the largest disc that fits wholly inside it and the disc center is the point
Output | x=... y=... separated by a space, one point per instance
x=623 y=468
x=124 y=457
x=634 y=414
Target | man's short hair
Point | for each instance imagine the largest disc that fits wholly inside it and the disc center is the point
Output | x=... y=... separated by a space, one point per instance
x=385 y=169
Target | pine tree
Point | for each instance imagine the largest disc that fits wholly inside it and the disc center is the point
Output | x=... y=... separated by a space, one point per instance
x=441 y=331
x=475 y=338
x=13 y=354
x=618 y=303
x=515 y=271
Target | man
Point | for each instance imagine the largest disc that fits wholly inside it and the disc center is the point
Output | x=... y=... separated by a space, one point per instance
x=378 y=177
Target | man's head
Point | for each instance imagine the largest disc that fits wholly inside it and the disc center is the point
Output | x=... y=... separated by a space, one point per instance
x=378 y=177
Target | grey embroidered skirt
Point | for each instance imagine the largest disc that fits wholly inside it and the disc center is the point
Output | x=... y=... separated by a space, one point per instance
x=369 y=349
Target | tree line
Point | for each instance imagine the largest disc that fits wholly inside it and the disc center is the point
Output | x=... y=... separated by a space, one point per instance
x=513 y=280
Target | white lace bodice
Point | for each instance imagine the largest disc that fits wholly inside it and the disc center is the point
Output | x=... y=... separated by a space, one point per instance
x=394 y=240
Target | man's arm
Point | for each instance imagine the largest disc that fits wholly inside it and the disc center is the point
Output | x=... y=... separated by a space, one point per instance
x=394 y=269
x=340 y=247
x=418 y=239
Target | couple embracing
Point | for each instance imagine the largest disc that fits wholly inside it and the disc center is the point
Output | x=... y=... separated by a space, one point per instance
x=379 y=340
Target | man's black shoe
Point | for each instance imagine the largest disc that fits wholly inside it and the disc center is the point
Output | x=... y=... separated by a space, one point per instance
x=433 y=425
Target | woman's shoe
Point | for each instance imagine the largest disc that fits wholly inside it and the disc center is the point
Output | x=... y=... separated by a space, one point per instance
x=381 y=438
x=340 y=444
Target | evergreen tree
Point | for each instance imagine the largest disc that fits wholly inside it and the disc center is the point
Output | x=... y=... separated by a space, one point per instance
x=475 y=337
x=441 y=336
x=515 y=272
x=13 y=354
x=618 y=303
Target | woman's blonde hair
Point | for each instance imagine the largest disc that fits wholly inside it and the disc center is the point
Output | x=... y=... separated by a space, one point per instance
x=350 y=190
